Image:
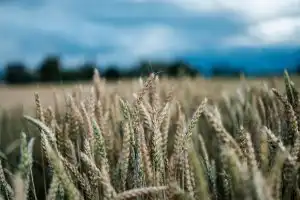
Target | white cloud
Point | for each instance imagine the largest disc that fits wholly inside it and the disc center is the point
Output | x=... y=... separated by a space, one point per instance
x=279 y=31
x=55 y=20
x=267 y=22
x=250 y=10
x=152 y=40
x=149 y=42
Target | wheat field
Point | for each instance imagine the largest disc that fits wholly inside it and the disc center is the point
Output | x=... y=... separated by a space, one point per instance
x=152 y=139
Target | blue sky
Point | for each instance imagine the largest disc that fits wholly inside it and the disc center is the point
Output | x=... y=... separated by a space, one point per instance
x=261 y=33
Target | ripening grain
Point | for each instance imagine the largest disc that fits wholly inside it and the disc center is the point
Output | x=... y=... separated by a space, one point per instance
x=152 y=139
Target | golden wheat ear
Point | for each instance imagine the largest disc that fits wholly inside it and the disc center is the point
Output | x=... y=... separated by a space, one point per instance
x=288 y=87
x=7 y=190
x=43 y=128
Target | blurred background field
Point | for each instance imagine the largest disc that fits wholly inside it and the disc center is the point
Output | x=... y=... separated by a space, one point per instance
x=18 y=95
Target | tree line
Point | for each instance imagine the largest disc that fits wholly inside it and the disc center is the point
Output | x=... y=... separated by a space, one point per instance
x=51 y=70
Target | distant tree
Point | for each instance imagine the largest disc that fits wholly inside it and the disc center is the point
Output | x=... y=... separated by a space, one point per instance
x=298 y=69
x=16 y=73
x=70 y=75
x=49 y=70
x=111 y=73
x=179 y=68
x=191 y=72
x=225 y=69
x=146 y=67
x=143 y=69
x=174 y=69
x=86 y=71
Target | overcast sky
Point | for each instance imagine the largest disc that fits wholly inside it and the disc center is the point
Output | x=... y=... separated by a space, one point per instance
x=124 y=31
